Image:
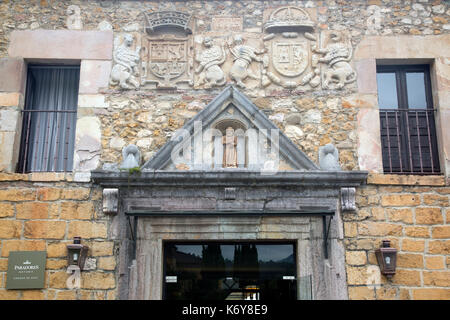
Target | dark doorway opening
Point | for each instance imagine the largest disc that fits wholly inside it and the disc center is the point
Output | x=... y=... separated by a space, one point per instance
x=229 y=271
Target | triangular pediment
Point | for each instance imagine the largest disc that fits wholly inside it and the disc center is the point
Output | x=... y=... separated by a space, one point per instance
x=258 y=144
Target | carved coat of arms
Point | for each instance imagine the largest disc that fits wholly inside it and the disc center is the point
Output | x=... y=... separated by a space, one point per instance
x=167 y=55
x=290 y=58
x=289 y=62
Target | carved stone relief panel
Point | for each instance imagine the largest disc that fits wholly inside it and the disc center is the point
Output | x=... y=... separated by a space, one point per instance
x=234 y=59
x=337 y=51
x=167 y=61
x=227 y=23
x=288 y=39
x=126 y=61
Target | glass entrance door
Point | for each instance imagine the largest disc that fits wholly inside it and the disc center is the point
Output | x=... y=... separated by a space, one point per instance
x=229 y=271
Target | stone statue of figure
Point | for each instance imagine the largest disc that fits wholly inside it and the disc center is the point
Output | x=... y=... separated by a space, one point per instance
x=243 y=57
x=210 y=61
x=126 y=65
x=230 y=153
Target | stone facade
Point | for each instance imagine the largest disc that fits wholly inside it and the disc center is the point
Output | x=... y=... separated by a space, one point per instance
x=314 y=103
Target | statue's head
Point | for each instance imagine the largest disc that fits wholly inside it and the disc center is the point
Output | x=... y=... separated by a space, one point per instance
x=128 y=39
x=238 y=39
x=207 y=42
x=229 y=131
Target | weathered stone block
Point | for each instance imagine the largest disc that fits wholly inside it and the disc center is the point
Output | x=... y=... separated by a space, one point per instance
x=441 y=232
x=9 y=119
x=33 y=295
x=8 y=150
x=76 y=210
x=21 y=245
x=356 y=257
x=87 y=229
x=92 y=101
x=407 y=278
x=409 y=245
x=408 y=260
x=13 y=71
x=98 y=249
x=400 y=200
x=10 y=229
x=439 y=247
x=57 y=250
x=434 y=262
x=75 y=193
x=58 y=279
x=436 y=278
x=396 y=179
x=18 y=194
x=369 y=143
x=400 y=215
x=435 y=200
x=94 y=74
x=350 y=229
x=6 y=210
x=48 y=194
x=431 y=294
x=45 y=229
x=87 y=144
x=98 y=280
x=11 y=99
x=361 y=293
x=32 y=210
x=9 y=294
x=429 y=216
x=107 y=263
x=379 y=229
x=417 y=232
x=366 y=79
x=385 y=293
x=53 y=264
x=357 y=275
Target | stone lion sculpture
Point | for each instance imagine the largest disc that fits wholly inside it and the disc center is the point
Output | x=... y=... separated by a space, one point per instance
x=209 y=61
x=337 y=55
x=125 y=71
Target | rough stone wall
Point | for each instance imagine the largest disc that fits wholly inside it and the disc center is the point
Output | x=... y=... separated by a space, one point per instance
x=416 y=220
x=39 y=213
x=44 y=212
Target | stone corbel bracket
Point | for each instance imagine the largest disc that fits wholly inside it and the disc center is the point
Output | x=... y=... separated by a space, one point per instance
x=110 y=200
x=348 y=203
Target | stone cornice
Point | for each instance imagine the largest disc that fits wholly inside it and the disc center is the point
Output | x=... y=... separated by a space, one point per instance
x=229 y=177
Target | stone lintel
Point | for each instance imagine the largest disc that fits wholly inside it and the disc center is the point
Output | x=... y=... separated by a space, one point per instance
x=61 y=44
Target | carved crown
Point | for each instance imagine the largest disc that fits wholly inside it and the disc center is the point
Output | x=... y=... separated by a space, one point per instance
x=288 y=19
x=161 y=19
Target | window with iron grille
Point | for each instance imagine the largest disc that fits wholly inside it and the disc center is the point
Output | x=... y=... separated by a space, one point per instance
x=408 y=133
x=49 y=119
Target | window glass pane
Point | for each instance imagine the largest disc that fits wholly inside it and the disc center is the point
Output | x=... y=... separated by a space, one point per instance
x=224 y=271
x=415 y=86
x=387 y=91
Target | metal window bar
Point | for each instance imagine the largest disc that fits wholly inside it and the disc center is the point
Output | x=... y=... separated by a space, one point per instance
x=415 y=156
x=61 y=116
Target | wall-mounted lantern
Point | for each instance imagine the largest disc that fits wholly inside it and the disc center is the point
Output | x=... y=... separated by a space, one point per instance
x=387 y=258
x=77 y=255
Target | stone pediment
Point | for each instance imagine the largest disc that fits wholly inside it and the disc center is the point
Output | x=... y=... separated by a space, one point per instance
x=254 y=143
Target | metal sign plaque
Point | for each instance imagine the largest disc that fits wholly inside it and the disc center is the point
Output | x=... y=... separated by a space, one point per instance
x=26 y=270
